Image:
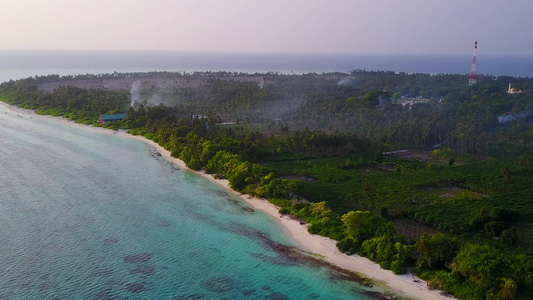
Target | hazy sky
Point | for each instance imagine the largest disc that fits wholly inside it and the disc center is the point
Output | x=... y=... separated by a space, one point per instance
x=353 y=26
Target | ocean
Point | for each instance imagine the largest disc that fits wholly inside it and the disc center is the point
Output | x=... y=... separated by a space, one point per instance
x=23 y=64
x=89 y=215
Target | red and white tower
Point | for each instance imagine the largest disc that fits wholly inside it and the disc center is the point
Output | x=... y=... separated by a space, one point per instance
x=473 y=71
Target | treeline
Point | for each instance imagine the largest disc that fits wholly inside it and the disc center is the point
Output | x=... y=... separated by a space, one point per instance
x=154 y=74
x=481 y=119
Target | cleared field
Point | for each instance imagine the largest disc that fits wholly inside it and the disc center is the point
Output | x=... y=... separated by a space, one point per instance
x=411 y=229
x=372 y=170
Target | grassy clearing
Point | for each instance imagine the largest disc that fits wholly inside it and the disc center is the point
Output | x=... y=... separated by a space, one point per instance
x=410 y=229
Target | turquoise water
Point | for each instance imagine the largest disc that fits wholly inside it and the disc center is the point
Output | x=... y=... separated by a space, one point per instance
x=85 y=215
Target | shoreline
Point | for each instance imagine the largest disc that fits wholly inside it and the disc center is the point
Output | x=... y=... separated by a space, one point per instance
x=319 y=247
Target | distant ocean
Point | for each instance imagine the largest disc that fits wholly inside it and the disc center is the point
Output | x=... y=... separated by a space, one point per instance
x=23 y=64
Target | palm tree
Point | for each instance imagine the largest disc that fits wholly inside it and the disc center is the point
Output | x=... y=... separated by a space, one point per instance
x=509 y=289
x=521 y=162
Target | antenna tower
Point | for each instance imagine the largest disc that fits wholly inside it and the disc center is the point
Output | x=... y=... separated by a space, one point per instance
x=473 y=72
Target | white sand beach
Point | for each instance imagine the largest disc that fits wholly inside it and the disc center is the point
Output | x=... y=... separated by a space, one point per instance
x=402 y=285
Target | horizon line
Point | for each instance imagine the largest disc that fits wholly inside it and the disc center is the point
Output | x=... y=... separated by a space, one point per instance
x=249 y=52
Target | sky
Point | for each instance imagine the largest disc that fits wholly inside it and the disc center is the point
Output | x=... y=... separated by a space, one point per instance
x=282 y=26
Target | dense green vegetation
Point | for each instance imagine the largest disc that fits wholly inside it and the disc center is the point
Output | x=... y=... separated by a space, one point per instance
x=459 y=213
x=84 y=106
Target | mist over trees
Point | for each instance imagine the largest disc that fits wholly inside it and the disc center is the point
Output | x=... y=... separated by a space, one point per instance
x=430 y=109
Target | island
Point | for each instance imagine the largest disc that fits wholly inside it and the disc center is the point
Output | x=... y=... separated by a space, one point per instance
x=422 y=174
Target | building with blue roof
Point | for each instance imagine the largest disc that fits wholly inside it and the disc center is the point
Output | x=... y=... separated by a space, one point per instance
x=111 y=118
